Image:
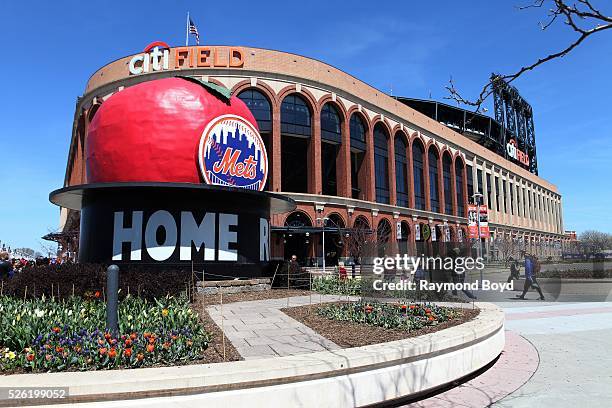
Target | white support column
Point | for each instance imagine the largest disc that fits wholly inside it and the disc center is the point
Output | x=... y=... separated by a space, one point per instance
x=494 y=194
x=527 y=204
x=485 y=195
x=508 y=194
x=474 y=177
x=561 y=229
x=520 y=203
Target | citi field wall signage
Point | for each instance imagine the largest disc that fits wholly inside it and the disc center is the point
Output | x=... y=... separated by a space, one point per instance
x=516 y=154
x=158 y=56
x=473 y=216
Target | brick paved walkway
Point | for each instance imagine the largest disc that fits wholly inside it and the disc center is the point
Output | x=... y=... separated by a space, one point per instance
x=258 y=329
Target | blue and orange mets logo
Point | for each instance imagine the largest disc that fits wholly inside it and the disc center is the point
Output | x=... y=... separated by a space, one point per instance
x=233 y=154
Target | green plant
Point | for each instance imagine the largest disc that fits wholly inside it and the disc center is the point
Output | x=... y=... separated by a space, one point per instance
x=400 y=316
x=49 y=335
x=333 y=285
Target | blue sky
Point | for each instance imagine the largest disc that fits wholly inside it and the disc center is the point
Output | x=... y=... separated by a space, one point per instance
x=411 y=48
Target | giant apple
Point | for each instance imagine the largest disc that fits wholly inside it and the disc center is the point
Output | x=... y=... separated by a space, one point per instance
x=150 y=132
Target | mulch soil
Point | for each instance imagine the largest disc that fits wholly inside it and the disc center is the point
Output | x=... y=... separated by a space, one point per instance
x=351 y=334
x=208 y=300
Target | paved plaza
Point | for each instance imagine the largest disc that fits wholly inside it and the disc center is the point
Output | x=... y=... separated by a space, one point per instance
x=258 y=329
x=553 y=354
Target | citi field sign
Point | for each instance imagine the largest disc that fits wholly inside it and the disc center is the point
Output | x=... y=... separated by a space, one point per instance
x=516 y=154
x=159 y=56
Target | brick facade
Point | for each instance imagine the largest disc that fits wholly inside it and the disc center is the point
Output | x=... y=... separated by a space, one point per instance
x=277 y=75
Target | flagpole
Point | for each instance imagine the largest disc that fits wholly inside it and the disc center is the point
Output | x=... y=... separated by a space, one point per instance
x=187 y=31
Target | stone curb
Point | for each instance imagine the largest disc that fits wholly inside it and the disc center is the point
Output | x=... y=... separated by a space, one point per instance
x=486 y=328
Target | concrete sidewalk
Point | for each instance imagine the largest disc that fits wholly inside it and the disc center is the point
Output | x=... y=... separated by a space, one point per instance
x=258 y=329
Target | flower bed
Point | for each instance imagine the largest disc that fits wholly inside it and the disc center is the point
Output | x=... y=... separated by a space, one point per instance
x=49 y=335
x=400 y=316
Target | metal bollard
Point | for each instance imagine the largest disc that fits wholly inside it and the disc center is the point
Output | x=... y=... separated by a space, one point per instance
x=112 y=289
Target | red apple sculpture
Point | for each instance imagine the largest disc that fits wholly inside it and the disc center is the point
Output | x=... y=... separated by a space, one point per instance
x=150 y=132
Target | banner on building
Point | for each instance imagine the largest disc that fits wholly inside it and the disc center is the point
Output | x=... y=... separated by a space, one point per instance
x=433 y=234
x=473 y=222
x=417 y=232
x=398 y=230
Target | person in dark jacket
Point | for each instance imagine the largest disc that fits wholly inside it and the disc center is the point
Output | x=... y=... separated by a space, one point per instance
x=5 y=266
x=532 y=266
x=514 y=271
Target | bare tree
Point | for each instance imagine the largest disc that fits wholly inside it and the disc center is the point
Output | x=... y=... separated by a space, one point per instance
x=508 y=248
x=582 y=17
x=362 y=242
x=357 y=241
x=596 y=240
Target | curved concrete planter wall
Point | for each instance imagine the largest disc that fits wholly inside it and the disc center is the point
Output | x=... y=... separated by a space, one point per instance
x=350 y=377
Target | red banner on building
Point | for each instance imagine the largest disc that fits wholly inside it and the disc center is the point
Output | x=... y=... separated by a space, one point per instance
x=473 y=221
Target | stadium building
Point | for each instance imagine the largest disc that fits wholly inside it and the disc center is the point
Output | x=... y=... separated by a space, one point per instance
x=353 y=156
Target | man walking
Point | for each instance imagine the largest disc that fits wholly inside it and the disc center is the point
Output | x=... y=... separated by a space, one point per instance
x=531 y=268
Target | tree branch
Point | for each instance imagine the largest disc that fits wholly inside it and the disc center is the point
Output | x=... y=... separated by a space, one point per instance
x=589 y=15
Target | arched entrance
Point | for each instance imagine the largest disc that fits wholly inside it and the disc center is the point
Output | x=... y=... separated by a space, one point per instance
x=403 y=238
x=296 y=240
x=334 y=239
x=383 y=236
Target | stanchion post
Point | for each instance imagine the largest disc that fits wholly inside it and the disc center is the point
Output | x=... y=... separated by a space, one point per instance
x=112 y=288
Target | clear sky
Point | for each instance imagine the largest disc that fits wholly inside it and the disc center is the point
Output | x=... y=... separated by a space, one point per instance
x=410 y=48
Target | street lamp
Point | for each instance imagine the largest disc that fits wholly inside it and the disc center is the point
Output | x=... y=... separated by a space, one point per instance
x=477 y=196
x=323 y=250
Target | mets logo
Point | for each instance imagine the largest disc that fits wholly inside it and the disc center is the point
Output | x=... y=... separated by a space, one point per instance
x=233 y=154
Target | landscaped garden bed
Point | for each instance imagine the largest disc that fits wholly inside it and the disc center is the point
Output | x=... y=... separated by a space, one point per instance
x=47 y=334
x=354 y=324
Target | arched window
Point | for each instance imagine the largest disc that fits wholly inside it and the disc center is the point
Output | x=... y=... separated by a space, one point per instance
x=259 y=106
x=401 y=170
x=331 y=124
x=295 y=143
x=447 y=181
x=434 y=201
x=331 y=138
x=459 y=187
x=358 y=149
x=419 y=176
x=381 y=164
x=295 y=116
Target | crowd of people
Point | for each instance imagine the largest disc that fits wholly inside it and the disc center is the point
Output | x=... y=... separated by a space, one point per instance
x=9 y=266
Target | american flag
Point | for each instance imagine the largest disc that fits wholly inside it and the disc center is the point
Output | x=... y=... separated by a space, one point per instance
x=194 y=30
